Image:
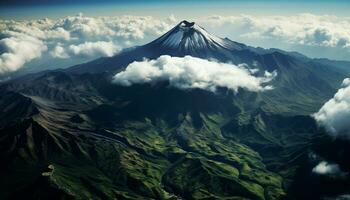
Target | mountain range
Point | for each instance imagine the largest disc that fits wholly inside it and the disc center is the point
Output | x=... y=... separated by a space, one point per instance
x=74 y=134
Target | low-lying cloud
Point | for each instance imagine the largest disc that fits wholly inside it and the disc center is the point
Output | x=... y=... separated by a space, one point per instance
x=100 y=48
x=87 y=50
x=328 y=169
x=189 y=72
x=335 y=113
x=17 y=51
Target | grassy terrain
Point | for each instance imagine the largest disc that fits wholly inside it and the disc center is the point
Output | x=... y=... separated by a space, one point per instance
x=65 y=136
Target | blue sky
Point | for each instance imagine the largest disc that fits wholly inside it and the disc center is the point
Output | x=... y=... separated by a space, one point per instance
x=31 y=9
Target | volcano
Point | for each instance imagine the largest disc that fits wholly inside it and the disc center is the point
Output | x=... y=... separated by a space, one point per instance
x=191 y=39
x=186 y=38
x=73 y=134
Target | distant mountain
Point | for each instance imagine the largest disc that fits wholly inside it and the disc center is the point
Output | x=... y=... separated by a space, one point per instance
x=341 y=65
x=73 y=134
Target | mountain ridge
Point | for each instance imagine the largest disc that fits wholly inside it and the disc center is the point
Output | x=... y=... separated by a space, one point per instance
x=106 y=141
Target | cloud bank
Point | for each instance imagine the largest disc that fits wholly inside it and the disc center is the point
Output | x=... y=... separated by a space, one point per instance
x=335 y=113
x=100 y=48
x=189 y=72
x=313 y=35
x=74 y=36
x=18 y=51
x=304 y=29
x=84 y=38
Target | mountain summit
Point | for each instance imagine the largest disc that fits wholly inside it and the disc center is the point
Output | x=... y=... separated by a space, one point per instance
x=188 y=38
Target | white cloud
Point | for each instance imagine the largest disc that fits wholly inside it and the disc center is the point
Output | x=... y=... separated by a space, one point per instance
x=303 y=29
x=74 y=36
x=189 y=72
x=17 y=51
x=89 y=49
x=61 y=36
x=59 y=52
x=86 y=49
x=325 y=168
x=335 y=113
